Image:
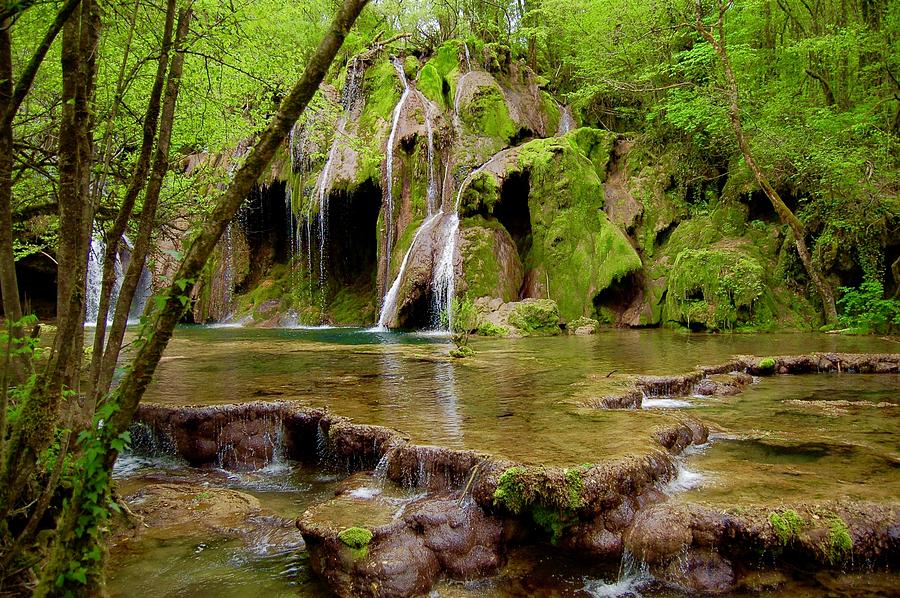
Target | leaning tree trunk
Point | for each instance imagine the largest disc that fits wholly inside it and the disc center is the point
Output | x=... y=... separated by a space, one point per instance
x=73 y=566
x=784 y=212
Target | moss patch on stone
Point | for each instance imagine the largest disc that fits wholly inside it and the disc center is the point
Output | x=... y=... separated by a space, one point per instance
x=787 y=525
x=839 y=544
x=510 y=491
x=486 y=114
x=355 y=537
x=462 y=352
x=767 y=364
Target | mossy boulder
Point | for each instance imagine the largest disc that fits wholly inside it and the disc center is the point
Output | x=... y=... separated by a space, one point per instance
x=582 y=326
x=570 y=249
x=491 y=265
x=717 y=288
x=535 y=316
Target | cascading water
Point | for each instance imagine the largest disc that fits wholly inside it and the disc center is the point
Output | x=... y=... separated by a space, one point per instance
x=443 y=273
x=443 y=282
x=388 y=201
x=566 y=120
x=349 y=100
x=95 y=280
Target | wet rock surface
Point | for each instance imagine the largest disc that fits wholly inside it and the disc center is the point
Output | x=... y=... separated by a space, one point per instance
x=403 y=552
x=693 y=546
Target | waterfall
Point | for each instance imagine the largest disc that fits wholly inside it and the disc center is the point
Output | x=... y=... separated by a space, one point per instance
x=566 y=120
x=349 y=96
x=94 y=281
x=443 y=273
x=389 y=304
x=432 y=178
x=388 y=200
x=443 y=281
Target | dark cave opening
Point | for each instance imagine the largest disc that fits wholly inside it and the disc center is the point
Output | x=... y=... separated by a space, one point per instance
x=36 y=277
x=513 y=213
x=620 y=293
x=265 y=220
x=760 y=208
x=352 y=237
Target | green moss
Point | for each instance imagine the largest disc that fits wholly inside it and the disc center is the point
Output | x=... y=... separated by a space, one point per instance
x=581 y=322
x=787 y=525
x=535 y=316
x=574 y=486
x=431 y=84
x=767 y=364
x=410 y=67
x=480 y=195
x=485 y=113
x=491 y=329
x=551 y=112
x=839 y=543
x=357 y=540
x=488 y=269
x=575 y=251
x=553 y=521
x=718 y=288
x=510 y=491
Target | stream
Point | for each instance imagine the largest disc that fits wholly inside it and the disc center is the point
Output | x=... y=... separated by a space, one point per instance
x=519 y=399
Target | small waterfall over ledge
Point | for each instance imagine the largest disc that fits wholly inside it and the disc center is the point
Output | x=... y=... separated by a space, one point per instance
x=447 y=222
x=94 y=281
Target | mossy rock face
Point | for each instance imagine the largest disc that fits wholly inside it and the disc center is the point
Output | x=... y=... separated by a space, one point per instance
x=491 y=265
x=483 y=110
x=715 y=288
x=535 y=316
x=571 y=251
x=578 y=249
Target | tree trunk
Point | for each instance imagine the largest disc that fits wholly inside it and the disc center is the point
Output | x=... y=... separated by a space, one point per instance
x=78 y=538
x=35 y=426
x=9 y=285
x=784 y=212
x=136 y=184
x=148 y=212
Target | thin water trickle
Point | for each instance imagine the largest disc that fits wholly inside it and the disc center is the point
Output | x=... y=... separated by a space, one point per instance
x=349 y=101
x=388 y=200
x=566 y=120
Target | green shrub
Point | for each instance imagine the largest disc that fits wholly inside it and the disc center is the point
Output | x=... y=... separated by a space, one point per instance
x=866 y=309
x=491 y=329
